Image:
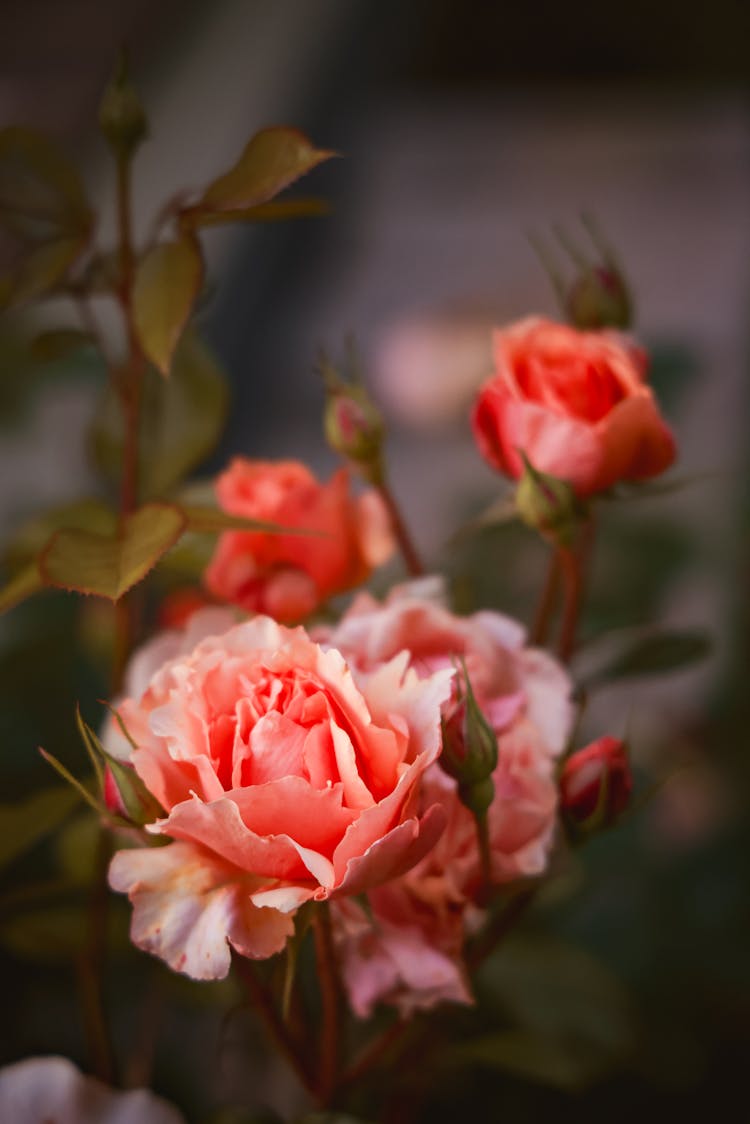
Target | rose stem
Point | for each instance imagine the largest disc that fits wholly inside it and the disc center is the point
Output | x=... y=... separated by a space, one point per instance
x=264 y=1005
x=483 y=837
x=546 y=604
x=404 y=539
x=325 y=955
x=570 y=565
x=486 y=941
x=574 y=565
x=374 y=1051
x=91 y=967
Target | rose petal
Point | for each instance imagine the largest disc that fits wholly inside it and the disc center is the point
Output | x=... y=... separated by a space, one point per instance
x=188 y=908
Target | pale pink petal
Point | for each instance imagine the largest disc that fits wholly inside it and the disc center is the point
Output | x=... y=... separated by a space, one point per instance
x=548 y=691
x=50 y=1090
x=188 y=907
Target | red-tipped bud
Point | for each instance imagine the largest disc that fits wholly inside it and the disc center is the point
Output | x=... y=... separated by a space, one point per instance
x=354 y=426
x=595 y=784
x=600 y=298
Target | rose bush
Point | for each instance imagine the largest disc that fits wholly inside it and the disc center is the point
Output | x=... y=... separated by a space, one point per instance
x=411 y=952
x=575 y=403
x=289 y=576
x=284 y=776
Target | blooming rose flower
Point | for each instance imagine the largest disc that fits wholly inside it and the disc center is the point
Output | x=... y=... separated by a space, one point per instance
x=411 y=954
x=285 y=777
x=576 y=403
x=288 y=576
x=52 y=1091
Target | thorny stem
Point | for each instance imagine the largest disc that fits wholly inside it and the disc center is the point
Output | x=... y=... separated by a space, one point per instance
x=325 y=954
x=546 y=604
x=404 y=539
x=264 y=1005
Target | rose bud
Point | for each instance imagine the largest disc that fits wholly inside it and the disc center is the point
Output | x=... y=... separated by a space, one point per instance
x=599 y=298
x=122 y=118
x=470 y=752
x=595 y=784
x=547 y=505
x=354 y=427
x=352 y=422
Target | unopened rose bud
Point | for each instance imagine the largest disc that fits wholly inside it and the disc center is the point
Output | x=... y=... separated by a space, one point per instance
x=122 y=118
x=600 y=298
x=595 y=784
x=547 y=504
x=125 y=794
x=354 y=426
x=470 y=752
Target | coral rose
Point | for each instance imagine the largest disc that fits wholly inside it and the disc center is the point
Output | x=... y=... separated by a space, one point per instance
x=284 y=776
x=289 y=576
x=410 y=954
x=576 y=403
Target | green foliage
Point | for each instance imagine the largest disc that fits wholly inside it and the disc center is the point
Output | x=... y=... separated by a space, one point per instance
x=272 y=160
x=26 y=822
x=657 y=654
x=109 y=565
x=43 y=204
x=570 y=1021
x=167 y=281
x=181 y=420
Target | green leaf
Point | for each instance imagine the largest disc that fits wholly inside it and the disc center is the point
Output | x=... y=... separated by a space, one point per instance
x=25 y=583
x=657 y=654
x=275 y=211
x=181 y=421
x=212 y=521
x=272 y=160
x=167 y=281
x=59 y=343
x=570 y=1020
x=54 y=933
x=24 y=823
x=34 y=534
x=39 y=187
x=43 y=268
x=110 y=565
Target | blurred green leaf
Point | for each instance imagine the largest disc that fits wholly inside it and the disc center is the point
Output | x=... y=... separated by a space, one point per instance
x=76 y=848
x=35 y=533
x=25 y=583
x=212 y=521
x=59 y=343
x=26 y=822
x=110 y=565
x=39 y=185
x=43 y=267
x=275 y=211
x=181 y=420
x=570 y=1020
x=53 y=933
x=167 y=281
x=272 y=160
x=657 y=654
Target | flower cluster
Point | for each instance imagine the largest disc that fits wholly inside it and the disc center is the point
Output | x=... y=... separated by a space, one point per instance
x=296 y=767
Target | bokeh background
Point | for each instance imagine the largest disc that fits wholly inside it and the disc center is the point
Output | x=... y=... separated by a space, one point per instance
x=462 y=128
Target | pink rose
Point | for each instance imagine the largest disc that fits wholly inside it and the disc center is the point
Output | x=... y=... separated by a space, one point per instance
x=576 y=403
x=411 y=954
x=289 y=576
x=285 y=777
x=52 y=1091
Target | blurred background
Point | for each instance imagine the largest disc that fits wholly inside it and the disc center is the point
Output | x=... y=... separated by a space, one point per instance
x=461 y=128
